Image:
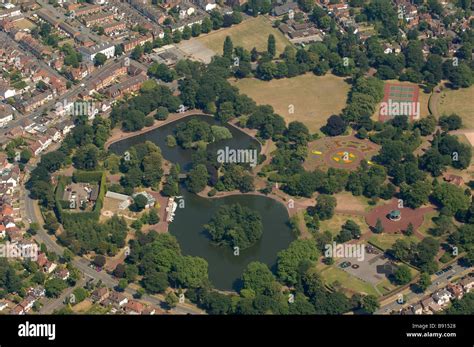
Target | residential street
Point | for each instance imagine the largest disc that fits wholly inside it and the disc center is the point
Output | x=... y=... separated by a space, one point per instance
x=438 y=283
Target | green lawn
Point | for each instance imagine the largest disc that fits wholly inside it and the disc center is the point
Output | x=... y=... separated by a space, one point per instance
x=385 y=241
x=332 y=274
x=307 y=98
x=250 y=33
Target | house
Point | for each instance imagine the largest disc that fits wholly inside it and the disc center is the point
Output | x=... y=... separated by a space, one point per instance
x=41 y=260
x=133 y=42
x=6 y=114
x=134 y=307
x=456 y=290
x=6 y=91
x=100 y=18
x=67 y=126
x=49 y=267
x=35 y=148
x=54 y=134
x=117 y=299
x=37 y=292
x=130 y=85
x=417 y=309
x=63 y=274
x=28 y=303
x=442 y=297
x=89 y=53
x=284 y=9
x=149 y=311
x=467 y=284
x=3 y=305
x=18 y=310
x=100 y=294
x=425 y=303
x=454 y=179
x=114 y=27
x=434 y=307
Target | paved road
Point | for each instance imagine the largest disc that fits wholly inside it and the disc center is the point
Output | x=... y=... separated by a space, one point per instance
x=438 y=283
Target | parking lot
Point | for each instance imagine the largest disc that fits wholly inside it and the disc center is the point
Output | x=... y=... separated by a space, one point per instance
x=372 y=269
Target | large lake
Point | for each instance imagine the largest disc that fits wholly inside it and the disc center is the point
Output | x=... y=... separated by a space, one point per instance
x=225 y=268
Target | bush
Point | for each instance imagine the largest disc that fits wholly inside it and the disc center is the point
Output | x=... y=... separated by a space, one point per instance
x=161 y=113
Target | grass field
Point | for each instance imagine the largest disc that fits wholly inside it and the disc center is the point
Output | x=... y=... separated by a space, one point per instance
x=335 y=223
x=385 y=241
x=307 y=98
x=248 y=34
x=333 y=274
x=24 y=24
x=460 y=102
x=427 y=223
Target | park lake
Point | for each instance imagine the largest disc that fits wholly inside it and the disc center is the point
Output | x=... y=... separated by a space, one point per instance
x=225 y=268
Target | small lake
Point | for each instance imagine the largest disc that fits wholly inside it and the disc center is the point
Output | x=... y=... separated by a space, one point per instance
x=176 y=154
x=225 y=269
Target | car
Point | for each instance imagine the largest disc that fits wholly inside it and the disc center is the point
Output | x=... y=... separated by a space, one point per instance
x=449 y=277
x=439 y=273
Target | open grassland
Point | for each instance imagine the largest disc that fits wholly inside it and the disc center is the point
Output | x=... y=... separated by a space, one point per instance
x=334 y=224
x=333 y=274
x=307 y=98
x=385 y=241
x=458 y=101
x=248 y=34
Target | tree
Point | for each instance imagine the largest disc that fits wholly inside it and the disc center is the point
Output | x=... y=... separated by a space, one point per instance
x=424 y=282
x=325 y=206
x=370 y=304
x=306 y=5
x=123 y=283
x=197 y=179
x=190 y=272
x=335 y=126
x=402 y=275
x=235 y=226
x=290 y=259
x=153 y=217
x=258 y=278
x=67 y=255
x=410 y=230
x=171 y=299
x=99 y=260
x=228 y=47
x=155 y=282
x=378 y=229
x=100 y=59
x=451 y=122
x=139 y=203
x=271 y=45
x=80 y=294
x=416 y=194
x=451 y=198
x=54 y=287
